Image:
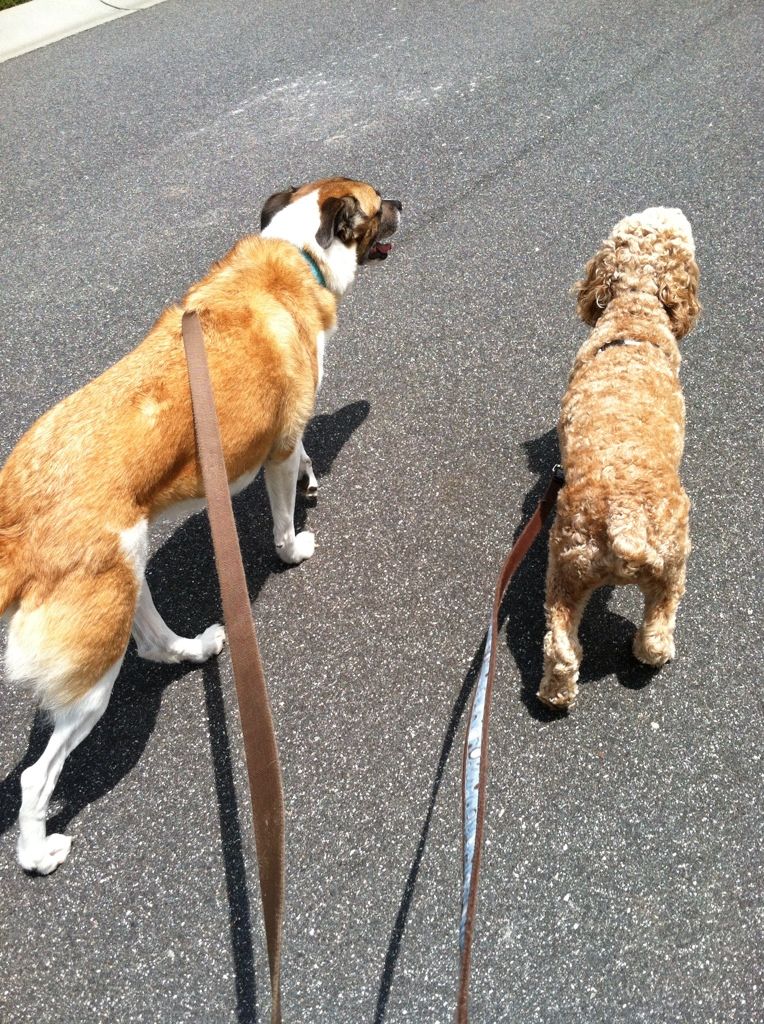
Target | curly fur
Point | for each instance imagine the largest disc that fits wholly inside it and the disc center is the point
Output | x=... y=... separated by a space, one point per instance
x=622 y=516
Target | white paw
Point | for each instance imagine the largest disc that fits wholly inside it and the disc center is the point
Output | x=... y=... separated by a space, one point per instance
x=297 y=550
x=45 y=856
x=211 y=640
x=180 y=648
x=309 y=484
x=304 y=545
x=201 y=647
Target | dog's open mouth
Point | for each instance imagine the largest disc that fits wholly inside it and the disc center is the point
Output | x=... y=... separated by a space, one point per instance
x=379 y=250
x=390 y=218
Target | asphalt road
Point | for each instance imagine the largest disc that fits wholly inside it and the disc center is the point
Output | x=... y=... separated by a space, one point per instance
x=623 y=868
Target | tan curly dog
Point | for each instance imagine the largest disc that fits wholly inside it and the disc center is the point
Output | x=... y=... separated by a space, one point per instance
x=622 y=516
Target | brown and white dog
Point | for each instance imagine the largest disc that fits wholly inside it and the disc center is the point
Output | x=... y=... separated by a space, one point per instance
x=78 y=493
x=622 y=516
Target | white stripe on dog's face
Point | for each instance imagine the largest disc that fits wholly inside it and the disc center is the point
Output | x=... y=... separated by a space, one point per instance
x=299 y=222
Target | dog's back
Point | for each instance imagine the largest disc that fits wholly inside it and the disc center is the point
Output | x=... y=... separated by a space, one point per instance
x=621 y=436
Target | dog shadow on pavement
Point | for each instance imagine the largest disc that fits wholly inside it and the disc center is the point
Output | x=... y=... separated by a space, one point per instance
x=521 y=621
x=183 y=580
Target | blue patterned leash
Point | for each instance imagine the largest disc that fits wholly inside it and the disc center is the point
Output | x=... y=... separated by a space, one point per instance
x=475 y=763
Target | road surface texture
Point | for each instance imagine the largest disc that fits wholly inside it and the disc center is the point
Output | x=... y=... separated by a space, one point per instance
x=622 y=871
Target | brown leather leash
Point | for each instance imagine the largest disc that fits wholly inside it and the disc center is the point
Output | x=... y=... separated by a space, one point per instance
x=261 y=751
x=475 y=761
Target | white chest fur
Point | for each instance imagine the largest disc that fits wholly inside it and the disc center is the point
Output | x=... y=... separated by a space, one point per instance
x=321 y=339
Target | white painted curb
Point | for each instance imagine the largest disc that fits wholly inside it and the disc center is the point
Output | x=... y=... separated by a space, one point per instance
x=40 y=22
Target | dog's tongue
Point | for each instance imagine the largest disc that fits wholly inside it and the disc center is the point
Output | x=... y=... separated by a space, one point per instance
x=380 y=250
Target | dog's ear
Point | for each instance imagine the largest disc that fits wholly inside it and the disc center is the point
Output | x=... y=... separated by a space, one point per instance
x=678 y=290
x=273 y=205
x=594 y=290
x=339 y=217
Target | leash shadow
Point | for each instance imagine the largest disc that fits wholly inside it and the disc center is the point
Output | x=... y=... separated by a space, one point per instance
x=234 y=864
x=183 y=581
x=605 y=636
x=399 y=926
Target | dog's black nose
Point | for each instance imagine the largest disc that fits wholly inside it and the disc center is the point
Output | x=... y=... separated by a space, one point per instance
x=397 y=204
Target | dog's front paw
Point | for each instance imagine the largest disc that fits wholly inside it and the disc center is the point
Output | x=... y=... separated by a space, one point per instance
x=44 y=857
x=173 y=649
x=308 y=484
x=559 y=687
x=559 y=698
x=298 y=549
x=653 y=649
x=210 y=642
x=306 y=479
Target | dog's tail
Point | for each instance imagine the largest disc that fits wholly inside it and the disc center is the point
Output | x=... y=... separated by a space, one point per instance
x=627 y=534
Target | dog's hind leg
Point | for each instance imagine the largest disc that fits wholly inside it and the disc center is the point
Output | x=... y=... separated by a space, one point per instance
x=37 y=851
x=281 y=483
x=67 y=640
x=155 y=640
x=654 y=640
x=566 y=598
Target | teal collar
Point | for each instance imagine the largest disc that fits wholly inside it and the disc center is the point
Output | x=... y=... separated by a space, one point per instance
x=314 y=267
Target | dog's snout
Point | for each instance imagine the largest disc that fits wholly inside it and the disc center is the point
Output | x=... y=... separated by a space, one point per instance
x=391 y=216
x=391 y=207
